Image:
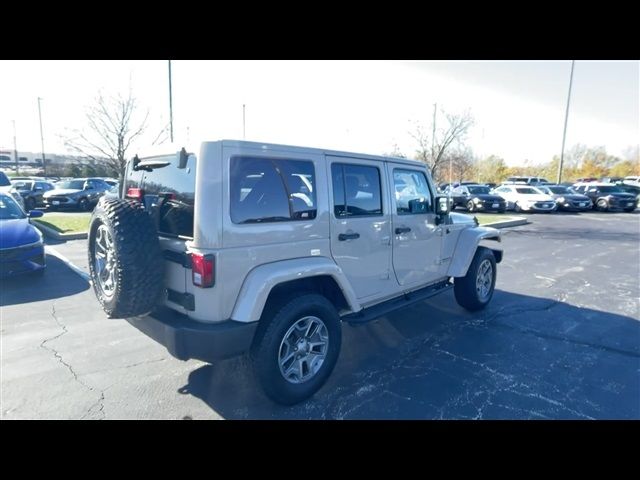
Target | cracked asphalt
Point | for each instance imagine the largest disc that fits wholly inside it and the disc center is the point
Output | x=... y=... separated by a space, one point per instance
x=560 y=340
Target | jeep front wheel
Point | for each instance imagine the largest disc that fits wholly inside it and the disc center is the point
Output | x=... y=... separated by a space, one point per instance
x=295 y=351
x=475 y=289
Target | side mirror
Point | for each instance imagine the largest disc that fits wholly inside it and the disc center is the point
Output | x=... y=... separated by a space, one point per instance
x=443 y=205
x=35 y=213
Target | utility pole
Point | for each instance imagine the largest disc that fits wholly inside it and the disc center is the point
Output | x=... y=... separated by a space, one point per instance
x=44 y=162
x=243 y=123
x=566 y=118
x=433 y=133
x=15 y=148
x=170 y=105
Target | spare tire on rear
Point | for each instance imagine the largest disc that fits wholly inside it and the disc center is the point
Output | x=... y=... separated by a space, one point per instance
x=125 y=259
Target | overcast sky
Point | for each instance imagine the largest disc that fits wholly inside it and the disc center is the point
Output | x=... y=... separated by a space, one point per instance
x=360 y=106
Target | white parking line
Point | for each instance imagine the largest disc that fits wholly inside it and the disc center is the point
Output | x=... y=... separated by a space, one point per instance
x=52 y=251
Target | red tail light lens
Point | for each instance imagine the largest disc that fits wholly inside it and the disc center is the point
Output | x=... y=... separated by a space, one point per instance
x=135 y=193
x=202 y=270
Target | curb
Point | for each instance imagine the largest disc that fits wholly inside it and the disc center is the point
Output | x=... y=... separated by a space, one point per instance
x=49 y=232
x=509 y=223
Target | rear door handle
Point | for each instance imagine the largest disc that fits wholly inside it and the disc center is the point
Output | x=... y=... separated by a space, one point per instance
x=348 y=236
x=401 y=230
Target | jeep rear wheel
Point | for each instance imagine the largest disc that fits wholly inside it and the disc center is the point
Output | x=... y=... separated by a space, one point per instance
x=125 y=260
x=295 y=350
x=475 y=289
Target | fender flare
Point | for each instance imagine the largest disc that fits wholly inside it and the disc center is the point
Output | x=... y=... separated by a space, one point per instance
x=262 y=279
x=466 y=247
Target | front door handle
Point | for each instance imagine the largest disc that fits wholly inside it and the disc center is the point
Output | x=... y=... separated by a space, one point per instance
x=401 y=230
x=348 y=236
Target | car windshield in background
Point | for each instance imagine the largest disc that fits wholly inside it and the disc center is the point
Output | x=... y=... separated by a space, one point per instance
x=527 y=190
x=23 y=185
x=4 y=181
x=479 y=190
x=9 y=210
x=612 y=189
x=71 y=184
x=559 y=190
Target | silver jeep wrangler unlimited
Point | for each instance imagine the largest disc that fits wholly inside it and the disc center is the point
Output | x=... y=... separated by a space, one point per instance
x=267 y=249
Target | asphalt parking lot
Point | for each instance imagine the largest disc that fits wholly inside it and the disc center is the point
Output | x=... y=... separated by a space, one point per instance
x=560 y=340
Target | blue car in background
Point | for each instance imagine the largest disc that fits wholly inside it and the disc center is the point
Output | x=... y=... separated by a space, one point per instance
x=21 y=246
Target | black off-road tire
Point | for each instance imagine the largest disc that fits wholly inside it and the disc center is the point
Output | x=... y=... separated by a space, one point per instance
x=139 y=279
x=266 y=345
x=464 y=288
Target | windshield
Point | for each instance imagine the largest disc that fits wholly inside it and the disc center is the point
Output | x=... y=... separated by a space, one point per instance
x=479 y=190
x=544 y=190
x=527 y=191
x=4 y=181
x=70 y=184
x=559 y=190
x=23 y=185
x=9 y=210
x=611 y=189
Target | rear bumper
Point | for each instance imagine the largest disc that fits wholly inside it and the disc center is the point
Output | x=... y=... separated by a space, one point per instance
x=186 y=339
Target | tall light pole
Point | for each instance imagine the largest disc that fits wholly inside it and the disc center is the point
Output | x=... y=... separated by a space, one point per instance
x=170 y=105
x=566 y=117
x=15 y=148
x=44 y=163
x=243 y=124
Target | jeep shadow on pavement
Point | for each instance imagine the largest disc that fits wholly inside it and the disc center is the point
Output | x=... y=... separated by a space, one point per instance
x=524 y=358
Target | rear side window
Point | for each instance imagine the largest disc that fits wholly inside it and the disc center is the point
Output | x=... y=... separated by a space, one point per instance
x=356 y=190
x=169 y=194
x=271 y=190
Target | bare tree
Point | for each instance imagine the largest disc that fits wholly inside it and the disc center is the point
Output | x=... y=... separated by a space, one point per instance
x=432 y=151
x=111 y=130
x=462 y=163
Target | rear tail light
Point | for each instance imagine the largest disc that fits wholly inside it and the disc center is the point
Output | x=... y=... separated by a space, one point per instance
x=135 y=193
x=202 y=270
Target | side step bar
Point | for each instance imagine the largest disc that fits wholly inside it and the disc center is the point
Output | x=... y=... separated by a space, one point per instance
x=381 y=309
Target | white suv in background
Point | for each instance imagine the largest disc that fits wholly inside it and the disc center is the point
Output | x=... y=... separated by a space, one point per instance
x=523 y=198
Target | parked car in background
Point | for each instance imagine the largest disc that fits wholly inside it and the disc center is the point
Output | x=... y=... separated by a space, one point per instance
x=477 y=198
x=110 y=181
x=611 y=179
x=79 y=193
x=586 y=180
x=21 y=245
x=632 y=189
x=526 y=180
x=32 y=192
x=7 y=188
x=566 y=199
x=631 y=178
x=523 y=198
x=113 y=192
x=607 y=197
